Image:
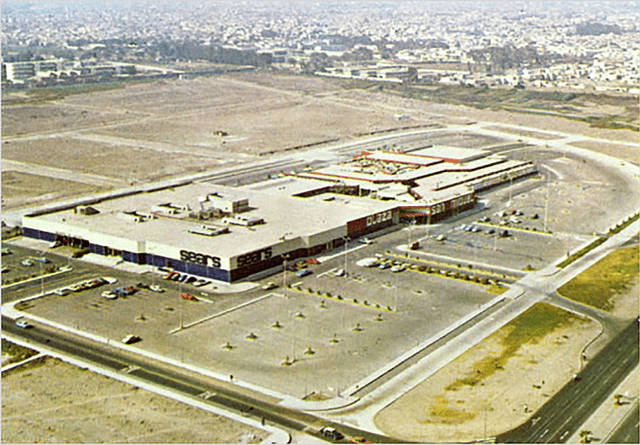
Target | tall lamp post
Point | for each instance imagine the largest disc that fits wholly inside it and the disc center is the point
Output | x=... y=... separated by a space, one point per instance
x=346 y=245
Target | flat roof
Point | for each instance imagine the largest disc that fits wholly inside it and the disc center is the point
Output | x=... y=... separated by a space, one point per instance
x=453 y=153
x=283 y=214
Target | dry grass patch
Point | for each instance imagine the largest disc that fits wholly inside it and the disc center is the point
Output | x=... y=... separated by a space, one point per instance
x=530 y=327
x=609 y=277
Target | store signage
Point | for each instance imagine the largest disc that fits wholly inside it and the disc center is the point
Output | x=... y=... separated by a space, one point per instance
x=199 y=258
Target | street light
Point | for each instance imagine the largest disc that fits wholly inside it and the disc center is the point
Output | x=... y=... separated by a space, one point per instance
x=346 y=245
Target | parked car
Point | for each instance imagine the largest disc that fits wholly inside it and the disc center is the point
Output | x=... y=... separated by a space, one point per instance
x=489 y=231
x=129 y=339
x=303 y=273
x=62 y=292
x=156 y=288
x=201 y=282
x=384 y=266
x=186 y=296
x=365 y=241
x=26 y=262
x=396 y=269
x=109 y=295
x=340 y=273
x=312 y=261
x=269 y=286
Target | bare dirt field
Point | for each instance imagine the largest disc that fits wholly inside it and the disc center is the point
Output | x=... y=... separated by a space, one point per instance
x=149 y=131
x=494 y=386
x=59 y=403
x=630 y=154
x=20 y=188
x=533 y=134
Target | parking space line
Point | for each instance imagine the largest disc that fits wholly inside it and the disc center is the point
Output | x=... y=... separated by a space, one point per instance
x=219 y=314
x=327 y=272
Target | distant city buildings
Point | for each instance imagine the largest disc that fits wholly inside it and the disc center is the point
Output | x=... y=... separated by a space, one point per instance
x=580 y=45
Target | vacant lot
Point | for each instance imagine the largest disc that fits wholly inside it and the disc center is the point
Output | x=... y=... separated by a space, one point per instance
x=601 y=284
x=59 y=403
x=495 y=385
x=143 y=132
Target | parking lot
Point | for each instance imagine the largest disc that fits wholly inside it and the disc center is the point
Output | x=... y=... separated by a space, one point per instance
x=325 y=332
x=274 y=339
x=19 y=264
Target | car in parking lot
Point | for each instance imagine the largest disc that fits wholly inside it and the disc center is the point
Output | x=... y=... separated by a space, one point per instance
x=475 y=229
x=365 y=241
x=384 y=266
x=156 y=288
x=303 y=273
x=110 y=295
x=269 y=286
x=186 y=296
x=489 y=231
x=129 y=339
x=340 y=273
x=358 y=439
x=62 y=291
x=396 y=269
x=26 y=262
x=201 y=282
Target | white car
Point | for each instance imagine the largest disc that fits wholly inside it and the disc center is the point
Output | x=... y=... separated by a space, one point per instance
x=23 y=324
x=340 y=273
x=26 y=262
x=397 y=269
x=109 y=295
x=156 y=288
x=365 y=241
x=110 y=280
x=129 y=339
x=62 y=292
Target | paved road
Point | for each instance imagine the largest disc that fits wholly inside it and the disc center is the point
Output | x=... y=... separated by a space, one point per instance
x=560 y=417
x=629 y=429
x=174 y=379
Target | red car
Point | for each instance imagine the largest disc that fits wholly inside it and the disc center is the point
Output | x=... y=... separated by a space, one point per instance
x=358 y=439
x=312 y=261
x=186 y=296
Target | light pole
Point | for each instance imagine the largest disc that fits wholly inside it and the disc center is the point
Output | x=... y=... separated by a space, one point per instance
x=284 y=274
x=346 y=245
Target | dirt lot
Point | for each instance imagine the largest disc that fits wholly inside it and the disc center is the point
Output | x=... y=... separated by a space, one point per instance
x=144 y=132
x=22 y=188
x=484 y=391
x=630 y=154
x=59 y=403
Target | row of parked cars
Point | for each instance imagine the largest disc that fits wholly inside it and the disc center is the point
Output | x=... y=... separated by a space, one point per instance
x=85 y=285
x=184 y=278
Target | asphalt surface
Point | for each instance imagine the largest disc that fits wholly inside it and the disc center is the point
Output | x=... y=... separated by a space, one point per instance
x=629 y=430
x=174 y=379
x=563 y=414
